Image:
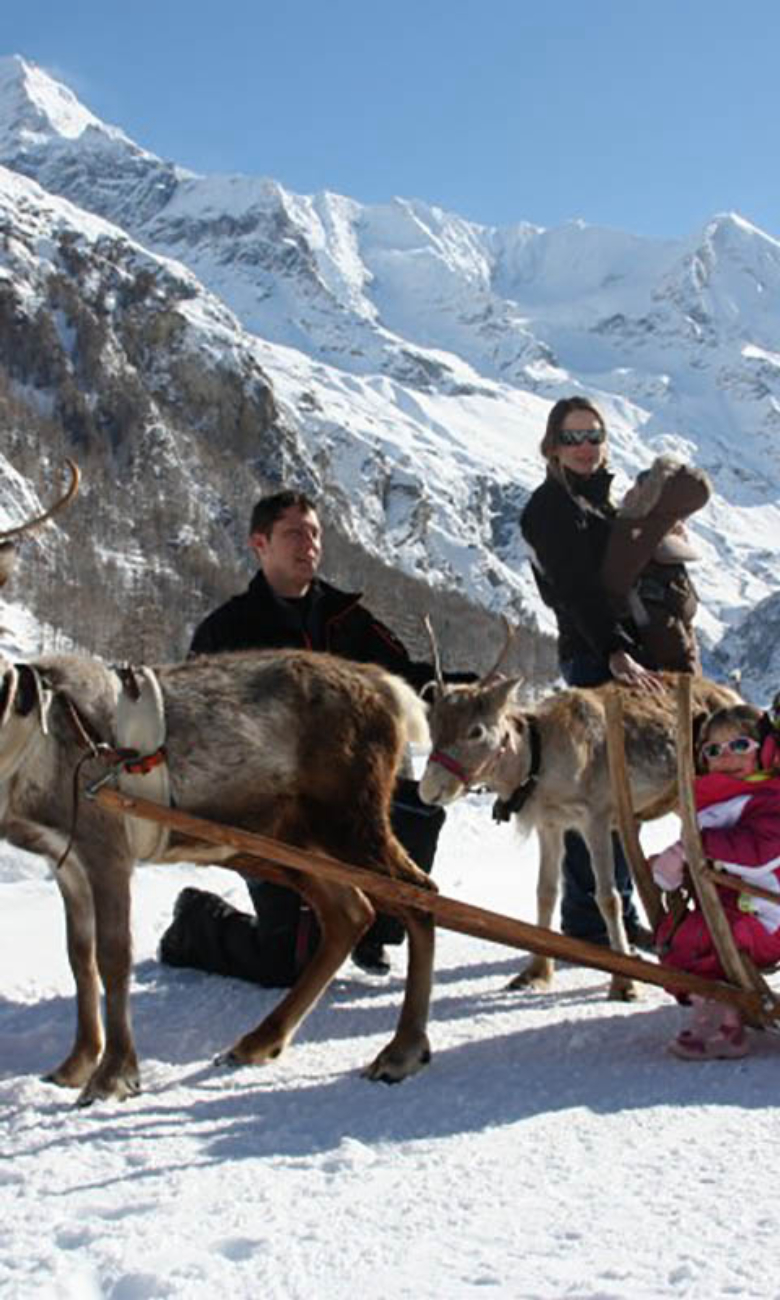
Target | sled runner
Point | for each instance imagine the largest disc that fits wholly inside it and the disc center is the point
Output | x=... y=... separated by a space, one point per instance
x=266 y=858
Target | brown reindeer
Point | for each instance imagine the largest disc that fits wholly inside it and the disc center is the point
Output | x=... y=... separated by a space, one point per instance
x=303 y=747
x=9 y=538
x=548 y=765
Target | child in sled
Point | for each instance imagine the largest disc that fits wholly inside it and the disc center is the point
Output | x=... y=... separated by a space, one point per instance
x=738 y=808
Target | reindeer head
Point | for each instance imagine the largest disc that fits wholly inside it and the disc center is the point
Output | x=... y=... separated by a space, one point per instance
x=471 y=732
x=9 y=538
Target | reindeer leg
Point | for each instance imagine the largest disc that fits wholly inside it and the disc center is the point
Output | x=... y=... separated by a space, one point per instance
x=117 y=1073
x=538 y=973
x=597 y=835
x=344 y=913
x=409 y=1049
x=76 y=893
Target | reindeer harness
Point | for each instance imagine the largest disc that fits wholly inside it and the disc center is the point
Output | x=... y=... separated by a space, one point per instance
x=137 y=761
x=503 y=809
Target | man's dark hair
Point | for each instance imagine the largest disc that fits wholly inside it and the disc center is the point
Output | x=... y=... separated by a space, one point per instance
x=268 y=509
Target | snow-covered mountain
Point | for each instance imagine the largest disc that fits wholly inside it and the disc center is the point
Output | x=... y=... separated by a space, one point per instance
x=413 y=355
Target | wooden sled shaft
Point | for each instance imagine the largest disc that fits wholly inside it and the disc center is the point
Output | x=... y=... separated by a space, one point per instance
x=740 y=886
x=449 y=913
x=641 y=873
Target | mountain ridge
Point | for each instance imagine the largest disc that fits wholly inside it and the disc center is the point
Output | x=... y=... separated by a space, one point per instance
x=413 y=354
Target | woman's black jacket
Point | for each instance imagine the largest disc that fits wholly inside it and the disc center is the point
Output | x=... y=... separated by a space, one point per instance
x=566 y=525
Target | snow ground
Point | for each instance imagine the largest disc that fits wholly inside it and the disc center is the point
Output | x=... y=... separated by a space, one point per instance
x=552 y=1149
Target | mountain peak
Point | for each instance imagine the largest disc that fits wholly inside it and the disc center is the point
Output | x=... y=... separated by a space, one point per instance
x=727 y=227
x=36 y=109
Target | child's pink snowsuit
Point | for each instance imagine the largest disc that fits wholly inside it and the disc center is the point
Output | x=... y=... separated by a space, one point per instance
x=739 y=822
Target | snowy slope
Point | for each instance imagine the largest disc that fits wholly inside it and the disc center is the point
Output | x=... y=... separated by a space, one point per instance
x=551 y=1149
x=415 y=353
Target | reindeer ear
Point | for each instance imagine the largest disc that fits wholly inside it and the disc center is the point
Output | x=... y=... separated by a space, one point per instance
x=503 y=692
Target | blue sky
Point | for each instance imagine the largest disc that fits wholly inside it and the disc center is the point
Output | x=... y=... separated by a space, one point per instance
x=647 y=116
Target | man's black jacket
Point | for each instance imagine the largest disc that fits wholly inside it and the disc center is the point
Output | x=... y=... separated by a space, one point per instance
x=325 y=619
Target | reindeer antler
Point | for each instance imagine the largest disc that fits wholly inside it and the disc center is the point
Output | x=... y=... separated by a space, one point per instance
x=509 y=636
x=435 y=652
x=21 y=529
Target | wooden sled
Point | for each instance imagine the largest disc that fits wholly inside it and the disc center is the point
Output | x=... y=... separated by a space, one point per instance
x=641 y=874
x=742 y=974
x=737 y=965
x=263 y=857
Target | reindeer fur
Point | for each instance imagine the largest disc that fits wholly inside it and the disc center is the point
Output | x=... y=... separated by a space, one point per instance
x=487 y=732
x=298 y=746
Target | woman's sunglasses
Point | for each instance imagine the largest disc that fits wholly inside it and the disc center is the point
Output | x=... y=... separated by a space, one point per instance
x=739 y=745
x=576 y=437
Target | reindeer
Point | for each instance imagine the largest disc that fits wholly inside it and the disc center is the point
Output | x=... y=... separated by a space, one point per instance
x=9 y=538
x=548 y=765
x=303 y=747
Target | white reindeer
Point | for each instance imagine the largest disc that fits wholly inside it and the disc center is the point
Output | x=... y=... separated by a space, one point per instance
x=548 y=765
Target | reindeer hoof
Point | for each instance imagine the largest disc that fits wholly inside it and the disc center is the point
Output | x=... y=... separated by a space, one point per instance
x=394 y=1065
x=623 y=991
x=61 y=1081
x=256 y=1048
x=537 y=976
x=118 y=1089
x=536 y=983
x=67 y=1078
x=229 y=1060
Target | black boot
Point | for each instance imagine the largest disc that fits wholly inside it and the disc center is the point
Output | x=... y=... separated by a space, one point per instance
x=181 y=943
x=208 y=934
x=370 y=955
x=417 y=825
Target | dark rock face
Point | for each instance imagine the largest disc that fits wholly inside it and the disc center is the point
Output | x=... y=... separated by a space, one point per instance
x=101 y=359
x=105 y=357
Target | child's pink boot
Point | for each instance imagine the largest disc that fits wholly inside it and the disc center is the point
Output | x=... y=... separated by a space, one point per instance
x=712 y=1034
x=730 y=1040
x=691 y=1043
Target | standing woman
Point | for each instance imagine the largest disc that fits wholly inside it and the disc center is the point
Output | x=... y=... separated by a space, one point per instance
x=567 y=524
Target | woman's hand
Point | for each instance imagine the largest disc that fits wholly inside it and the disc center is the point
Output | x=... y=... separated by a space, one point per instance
x=627 y=670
